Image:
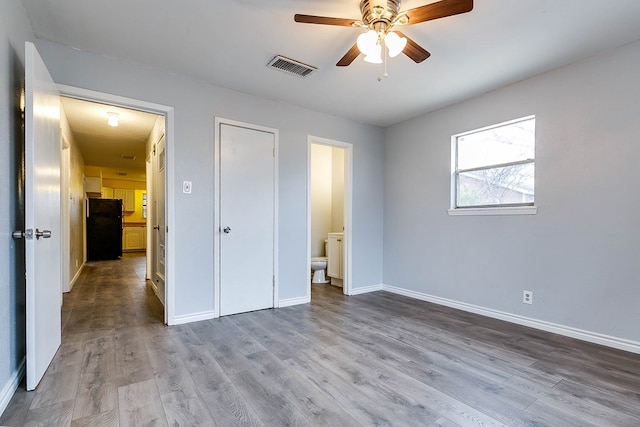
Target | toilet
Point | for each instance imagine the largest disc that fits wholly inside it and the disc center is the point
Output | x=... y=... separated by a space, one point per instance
x=319 y=266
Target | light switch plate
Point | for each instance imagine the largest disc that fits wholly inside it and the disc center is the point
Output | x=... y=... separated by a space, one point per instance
x=186 y=187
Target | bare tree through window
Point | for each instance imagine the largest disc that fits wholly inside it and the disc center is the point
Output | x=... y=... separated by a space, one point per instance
x=496 y=166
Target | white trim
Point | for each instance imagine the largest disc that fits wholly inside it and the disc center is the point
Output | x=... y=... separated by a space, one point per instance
x=216 y=217
x=348 y=208
x=194 y=317
x=216 y=208
x=65 y=242
x=76 y=277
x=500 y=210
x=293 y=301
x=514 y=210
x=11 y=386
x=168 y=113
x=276 y=220
x=580 y=334
x=367 y=289
x=497 y=125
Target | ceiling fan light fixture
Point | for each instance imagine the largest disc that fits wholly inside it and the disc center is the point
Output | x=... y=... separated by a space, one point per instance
x=112 y=119
x=368 y=42
x=395 y=44
x=374 y=57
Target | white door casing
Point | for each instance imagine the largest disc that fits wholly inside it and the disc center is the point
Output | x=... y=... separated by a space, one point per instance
x=169 y=200
x=247 y=214
x=346 y=253
x=42 y=215
x=149 y=219
x=160 y=227
x=65 y=208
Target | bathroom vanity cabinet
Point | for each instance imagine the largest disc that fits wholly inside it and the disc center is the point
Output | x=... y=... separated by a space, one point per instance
x=335 y=267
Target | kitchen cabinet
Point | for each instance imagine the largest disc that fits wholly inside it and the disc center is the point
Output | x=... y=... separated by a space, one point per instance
x=128 y=197
x=92 y=184
x=107 y=193
x=134 y=238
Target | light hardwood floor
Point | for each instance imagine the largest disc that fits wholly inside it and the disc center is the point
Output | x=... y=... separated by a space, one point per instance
x=374 y=359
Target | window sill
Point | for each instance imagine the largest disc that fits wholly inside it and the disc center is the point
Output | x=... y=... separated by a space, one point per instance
x=519 y=210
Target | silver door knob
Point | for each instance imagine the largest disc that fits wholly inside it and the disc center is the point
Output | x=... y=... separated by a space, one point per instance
x=45 y=234
x=227 y=230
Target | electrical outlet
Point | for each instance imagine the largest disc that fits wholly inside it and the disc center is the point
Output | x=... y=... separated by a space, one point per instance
x=527 y=297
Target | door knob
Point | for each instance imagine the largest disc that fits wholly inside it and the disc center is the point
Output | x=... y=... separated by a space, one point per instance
x=45 y=234
x=227 y=230
x=156 y=227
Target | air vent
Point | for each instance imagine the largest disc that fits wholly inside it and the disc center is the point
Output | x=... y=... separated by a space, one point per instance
x=290 y=66
x=127 y=157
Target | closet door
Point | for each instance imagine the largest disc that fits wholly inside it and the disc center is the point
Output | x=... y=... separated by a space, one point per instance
x=247 y=192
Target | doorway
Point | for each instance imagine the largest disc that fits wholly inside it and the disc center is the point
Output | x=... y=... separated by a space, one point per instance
x=246 y=218
x=329 y=204
x=135 y=234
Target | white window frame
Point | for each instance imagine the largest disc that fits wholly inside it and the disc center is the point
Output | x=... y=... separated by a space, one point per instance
x=513 y=209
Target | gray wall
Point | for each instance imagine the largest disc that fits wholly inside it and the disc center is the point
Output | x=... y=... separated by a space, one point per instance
x=580 y=255
x=196 y=104
x=14 y=31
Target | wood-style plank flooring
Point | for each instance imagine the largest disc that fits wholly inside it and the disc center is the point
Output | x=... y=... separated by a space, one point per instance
x=374 y=359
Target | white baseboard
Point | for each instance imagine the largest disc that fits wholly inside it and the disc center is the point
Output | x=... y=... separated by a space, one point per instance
x=593 y=337
x=11 y=386
x=366 y=289
x=293 y=301
x=76 y=277
x=196 y=317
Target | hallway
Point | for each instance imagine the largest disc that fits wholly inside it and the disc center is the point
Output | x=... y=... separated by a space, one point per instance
x=105 y=319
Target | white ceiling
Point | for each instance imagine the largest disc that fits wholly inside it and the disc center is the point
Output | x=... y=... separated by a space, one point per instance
x=102 y=145
x=228 y=43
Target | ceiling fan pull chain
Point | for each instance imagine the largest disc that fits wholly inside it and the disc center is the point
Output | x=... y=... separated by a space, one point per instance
x=386 y=54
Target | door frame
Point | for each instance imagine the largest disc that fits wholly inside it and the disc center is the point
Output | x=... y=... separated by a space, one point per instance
x=216 y=209
x=169 y=206
x=348 y=206
x=65 y=232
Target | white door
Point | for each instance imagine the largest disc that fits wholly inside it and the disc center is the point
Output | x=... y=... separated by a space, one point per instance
x=160 y=228
x=42 y=216
x=148 y=215
x=247 y=191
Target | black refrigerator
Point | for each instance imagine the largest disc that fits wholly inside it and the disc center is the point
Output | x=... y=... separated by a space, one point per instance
x=104 y=229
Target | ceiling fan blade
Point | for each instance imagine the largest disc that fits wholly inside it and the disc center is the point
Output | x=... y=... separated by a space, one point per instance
x=437 y=10
x=413 y=50
x=348 y=58
x=324 y=20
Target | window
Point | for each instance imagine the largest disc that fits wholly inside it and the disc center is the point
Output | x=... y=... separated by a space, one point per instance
x=494 y=167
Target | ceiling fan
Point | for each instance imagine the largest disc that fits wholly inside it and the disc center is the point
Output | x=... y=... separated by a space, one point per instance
x=380 y=18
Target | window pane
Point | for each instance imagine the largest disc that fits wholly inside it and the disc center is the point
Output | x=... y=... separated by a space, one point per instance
x=496 y=186
x=503 y=144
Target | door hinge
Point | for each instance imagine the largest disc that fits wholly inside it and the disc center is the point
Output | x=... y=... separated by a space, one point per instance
x=274 y=281
x=27 y=234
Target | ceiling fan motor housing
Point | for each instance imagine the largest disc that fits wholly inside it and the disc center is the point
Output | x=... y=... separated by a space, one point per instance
x=379 y=11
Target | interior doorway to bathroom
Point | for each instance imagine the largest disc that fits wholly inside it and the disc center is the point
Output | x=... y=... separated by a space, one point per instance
x=329 y=172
